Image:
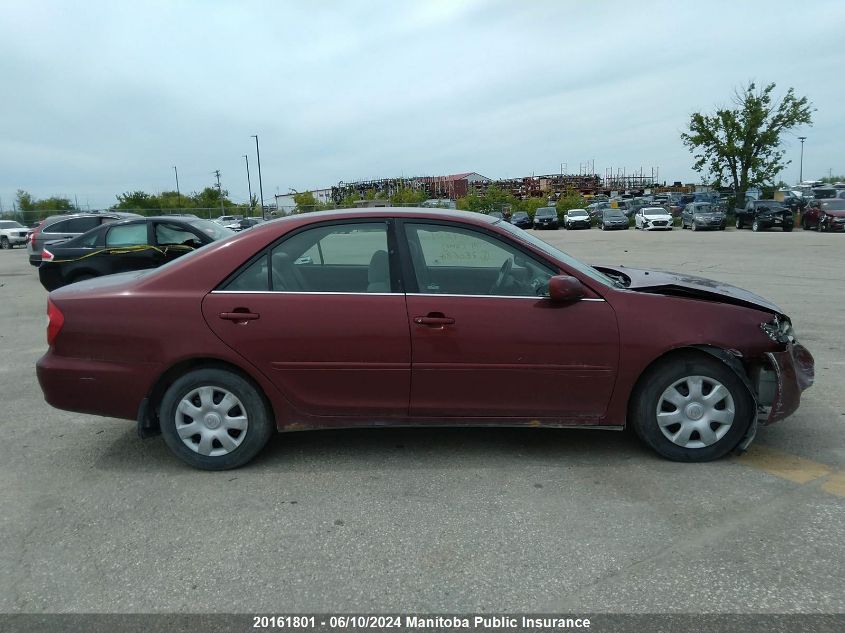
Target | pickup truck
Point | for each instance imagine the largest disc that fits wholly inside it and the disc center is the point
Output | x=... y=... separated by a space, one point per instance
x=764 y=214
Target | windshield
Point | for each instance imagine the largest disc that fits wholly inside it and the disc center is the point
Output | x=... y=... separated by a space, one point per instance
x=544 y=212
x=11 y=224
x=519 y=215
x=212 y=229
x=559 y=255
x=654 y=211
x=703 y=208
x=577 y=213
x=614 y=213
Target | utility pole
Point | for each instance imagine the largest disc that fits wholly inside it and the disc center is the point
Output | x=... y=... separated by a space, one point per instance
x=178 y=195
x=801 y=169
x=216 y=172
x=260 y=184
x=248 y=184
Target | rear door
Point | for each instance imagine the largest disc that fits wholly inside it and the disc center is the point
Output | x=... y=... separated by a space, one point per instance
x=488 y=343
x=323 y=316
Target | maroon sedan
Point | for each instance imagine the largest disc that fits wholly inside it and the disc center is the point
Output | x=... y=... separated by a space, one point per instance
x=406 y=318
x=824 y=215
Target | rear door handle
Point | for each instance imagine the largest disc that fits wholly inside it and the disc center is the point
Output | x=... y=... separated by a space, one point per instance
x=239 y=316
x=434 y=321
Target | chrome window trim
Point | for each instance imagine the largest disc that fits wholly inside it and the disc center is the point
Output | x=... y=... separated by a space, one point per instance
x=377 y=294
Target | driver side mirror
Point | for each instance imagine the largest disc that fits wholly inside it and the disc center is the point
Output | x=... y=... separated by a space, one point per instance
x=563 y=288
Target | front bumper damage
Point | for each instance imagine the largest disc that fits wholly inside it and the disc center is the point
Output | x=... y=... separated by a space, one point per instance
x=793 y=372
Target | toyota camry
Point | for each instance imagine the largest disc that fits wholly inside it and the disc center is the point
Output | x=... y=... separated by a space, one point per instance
x=398 y=317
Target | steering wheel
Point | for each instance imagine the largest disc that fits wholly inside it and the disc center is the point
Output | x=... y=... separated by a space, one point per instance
x=504 y=271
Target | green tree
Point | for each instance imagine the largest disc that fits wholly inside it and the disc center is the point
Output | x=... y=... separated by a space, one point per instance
x=407 y=196
x=24 y=200
x=305 y=202
x=832 y=179
x=742 y=144
x=137 y=200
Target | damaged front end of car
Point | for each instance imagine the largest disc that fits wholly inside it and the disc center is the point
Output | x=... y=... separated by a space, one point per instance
x=786 y=373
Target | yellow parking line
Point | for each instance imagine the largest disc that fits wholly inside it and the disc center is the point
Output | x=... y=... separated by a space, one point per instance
x=835 y=484
x=785 y=465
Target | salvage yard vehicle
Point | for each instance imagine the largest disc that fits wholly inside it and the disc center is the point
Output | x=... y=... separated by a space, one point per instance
x=824 y=215
x=703 y=215
x=124 y=246
x=653 y=218
x=405 y=317
x=67 y=226
x=12 y=234
x=546 y=218
x=764 y=214
x=613 y=219
x=521 y=219
x=577 y=219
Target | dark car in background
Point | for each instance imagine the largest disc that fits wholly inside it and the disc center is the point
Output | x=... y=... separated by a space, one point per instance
x=406 y=317
x=244 y=224
x=703 y=215
x=546 y=218
x=613 y=219
x=67 y=226
x=824 y=215
x=521 y=219
x=764 y=214
x=124 y=246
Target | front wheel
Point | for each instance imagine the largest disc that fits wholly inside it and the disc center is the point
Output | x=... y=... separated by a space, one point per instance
x=787 y=228
x=691 y=409
x=738 y=222
x=755 y=226
x=4 y=243
x=694 y=226
x=214 y=419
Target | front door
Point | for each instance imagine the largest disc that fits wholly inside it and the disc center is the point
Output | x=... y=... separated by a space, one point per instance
x=321 y=315
x=487 y=343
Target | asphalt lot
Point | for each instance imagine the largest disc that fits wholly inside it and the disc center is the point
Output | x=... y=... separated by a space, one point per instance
x=96 y=520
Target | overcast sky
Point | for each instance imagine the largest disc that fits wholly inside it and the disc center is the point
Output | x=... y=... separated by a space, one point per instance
x=98 y=98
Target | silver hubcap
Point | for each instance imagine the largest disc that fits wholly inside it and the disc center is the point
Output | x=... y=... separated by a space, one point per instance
x=695 y=412
x=211 y=421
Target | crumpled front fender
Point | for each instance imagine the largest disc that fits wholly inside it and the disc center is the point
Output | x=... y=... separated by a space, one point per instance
x=795 y=371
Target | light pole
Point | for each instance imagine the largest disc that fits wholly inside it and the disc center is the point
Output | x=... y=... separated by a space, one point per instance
x=178 y=195
x=260 y=184
x=801 y=168
x=248 y=184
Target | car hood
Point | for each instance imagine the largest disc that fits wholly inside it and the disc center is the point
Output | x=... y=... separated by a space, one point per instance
x=679 y=284
x=836 y=213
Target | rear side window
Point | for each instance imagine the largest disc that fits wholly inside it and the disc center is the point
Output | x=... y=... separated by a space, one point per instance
x=81 y=225
x=127 y=235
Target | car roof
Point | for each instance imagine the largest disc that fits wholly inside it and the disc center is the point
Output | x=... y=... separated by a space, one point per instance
x=92 y=214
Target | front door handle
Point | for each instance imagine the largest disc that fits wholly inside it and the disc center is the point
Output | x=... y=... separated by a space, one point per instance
x=434 y=321
x=239 y=317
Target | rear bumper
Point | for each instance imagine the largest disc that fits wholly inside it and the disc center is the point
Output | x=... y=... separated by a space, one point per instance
x=795 y=371
x=97 y=387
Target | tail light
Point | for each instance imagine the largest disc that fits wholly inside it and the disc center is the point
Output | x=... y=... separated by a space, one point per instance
x=55 y=321
x=30 y=238
x=46 y=256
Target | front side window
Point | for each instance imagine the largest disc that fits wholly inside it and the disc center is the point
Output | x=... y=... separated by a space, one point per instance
x=173 y=234
x=453 y=260
x=127 y=235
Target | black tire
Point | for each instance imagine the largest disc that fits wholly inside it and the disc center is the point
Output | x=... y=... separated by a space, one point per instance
x=694 y=226
x=755 y=226
x=805 y=226
x=4 y=243
x=787 y=228
x=259 y=428
x=738 y=222
x=664 y=374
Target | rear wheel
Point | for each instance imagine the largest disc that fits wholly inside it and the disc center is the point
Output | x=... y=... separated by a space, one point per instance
x=4 y=243
x=691 y=409
x=214 y=419
x=738 y=222
x=787 y=228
